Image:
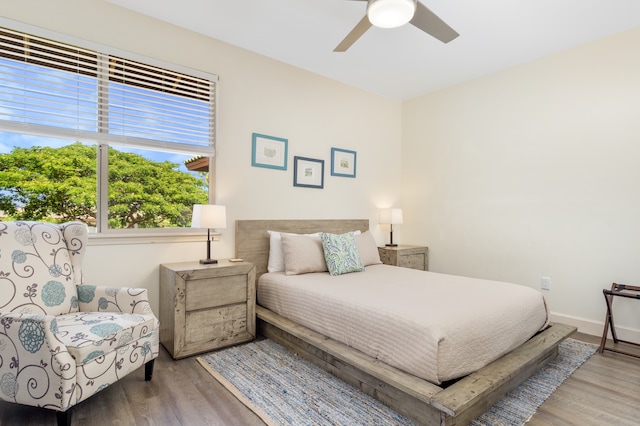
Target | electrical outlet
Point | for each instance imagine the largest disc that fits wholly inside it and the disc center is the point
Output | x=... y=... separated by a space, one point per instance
x=545 y=283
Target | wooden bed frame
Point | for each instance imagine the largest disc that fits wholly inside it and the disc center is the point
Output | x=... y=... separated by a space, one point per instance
x=456 y=404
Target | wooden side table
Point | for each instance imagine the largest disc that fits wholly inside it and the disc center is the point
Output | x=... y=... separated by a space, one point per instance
x=415 y=257
x=206 y=307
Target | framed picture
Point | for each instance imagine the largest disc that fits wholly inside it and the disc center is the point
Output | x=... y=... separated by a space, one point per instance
x=308 y=172
x=269 y=152
x=343 y=162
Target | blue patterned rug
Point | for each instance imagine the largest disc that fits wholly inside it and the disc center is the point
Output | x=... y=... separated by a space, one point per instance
x=283 y=389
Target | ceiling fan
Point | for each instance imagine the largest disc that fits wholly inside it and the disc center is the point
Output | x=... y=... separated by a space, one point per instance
x=395 y=13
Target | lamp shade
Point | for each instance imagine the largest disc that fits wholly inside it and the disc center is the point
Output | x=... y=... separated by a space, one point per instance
x=209 y=216
x=392 y=216
x=390 y=13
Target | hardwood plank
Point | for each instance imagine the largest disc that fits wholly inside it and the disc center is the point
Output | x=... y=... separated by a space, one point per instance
x=603 y=391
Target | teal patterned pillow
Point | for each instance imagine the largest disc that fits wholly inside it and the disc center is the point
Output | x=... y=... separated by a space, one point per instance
x=341 y=253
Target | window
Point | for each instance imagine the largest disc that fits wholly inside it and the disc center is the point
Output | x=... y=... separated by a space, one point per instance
x=92 y=136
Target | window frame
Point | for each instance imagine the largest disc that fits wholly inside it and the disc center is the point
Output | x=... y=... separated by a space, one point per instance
x=103 y=234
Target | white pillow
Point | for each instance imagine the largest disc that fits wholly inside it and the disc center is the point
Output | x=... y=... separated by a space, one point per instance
x=276 y=255
x=302 y=254
x=368 y=248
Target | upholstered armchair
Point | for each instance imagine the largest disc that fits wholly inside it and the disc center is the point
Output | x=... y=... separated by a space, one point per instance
x=62 y=341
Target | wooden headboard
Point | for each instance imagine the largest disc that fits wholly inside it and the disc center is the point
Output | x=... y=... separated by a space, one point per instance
x=252 y=238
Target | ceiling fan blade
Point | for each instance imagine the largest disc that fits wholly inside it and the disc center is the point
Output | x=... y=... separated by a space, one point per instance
x=429 y=22
x=354 y=35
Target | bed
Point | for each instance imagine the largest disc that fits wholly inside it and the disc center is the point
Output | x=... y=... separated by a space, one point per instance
x=429 y=397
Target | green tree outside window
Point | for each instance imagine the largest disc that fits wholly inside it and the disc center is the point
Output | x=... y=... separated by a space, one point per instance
x=60 y=184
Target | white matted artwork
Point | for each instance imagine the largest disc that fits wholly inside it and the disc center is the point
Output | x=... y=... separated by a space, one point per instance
x=269 y=152
x=343 y=162
x=308 y=172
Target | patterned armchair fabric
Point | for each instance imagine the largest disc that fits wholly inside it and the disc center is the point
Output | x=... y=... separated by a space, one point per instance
x=62 y=341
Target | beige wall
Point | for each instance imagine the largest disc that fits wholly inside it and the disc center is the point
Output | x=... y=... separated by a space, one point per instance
x=534 y=172
x=525 y=173
x=256 y=95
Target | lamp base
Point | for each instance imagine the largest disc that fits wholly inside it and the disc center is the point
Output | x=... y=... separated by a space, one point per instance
x=391 y=245
x=208 y=261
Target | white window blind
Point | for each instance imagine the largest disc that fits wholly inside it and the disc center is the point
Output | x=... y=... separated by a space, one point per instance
x=56 y=89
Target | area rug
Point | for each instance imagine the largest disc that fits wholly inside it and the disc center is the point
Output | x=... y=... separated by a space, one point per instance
x=284 y=389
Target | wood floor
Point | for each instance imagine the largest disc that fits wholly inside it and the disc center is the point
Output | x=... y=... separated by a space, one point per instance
x=604 y=391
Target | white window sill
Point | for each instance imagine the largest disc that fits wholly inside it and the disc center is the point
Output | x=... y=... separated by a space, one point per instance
x=149 y=237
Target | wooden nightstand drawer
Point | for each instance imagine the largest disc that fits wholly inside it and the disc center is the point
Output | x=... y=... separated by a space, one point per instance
x=412 y=260
x=414 y=257
x=206 y=307
x=218 y=291
x=218 y=326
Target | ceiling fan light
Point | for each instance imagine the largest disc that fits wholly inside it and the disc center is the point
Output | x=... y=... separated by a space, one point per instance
x=390 y=13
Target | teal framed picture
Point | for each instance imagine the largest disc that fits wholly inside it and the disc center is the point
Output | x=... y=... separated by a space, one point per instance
x=343 y=163
x=308 y=172
x=269 y=151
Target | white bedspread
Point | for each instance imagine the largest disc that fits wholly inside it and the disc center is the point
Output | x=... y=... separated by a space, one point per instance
x=435 y=326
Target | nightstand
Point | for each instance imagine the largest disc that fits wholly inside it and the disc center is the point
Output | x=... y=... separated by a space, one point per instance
x=206 y=307
x=415 y=257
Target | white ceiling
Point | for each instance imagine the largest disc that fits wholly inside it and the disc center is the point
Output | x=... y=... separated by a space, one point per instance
x=404 y=62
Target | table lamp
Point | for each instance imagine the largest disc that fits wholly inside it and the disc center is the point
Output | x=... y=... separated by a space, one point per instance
x=391 y=217
x=209 y=216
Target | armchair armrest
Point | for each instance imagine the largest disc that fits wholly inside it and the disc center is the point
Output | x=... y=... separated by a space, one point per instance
x=129 y=300
x=35 y=367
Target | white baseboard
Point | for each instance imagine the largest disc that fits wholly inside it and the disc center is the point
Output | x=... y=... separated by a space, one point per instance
x=596 y=328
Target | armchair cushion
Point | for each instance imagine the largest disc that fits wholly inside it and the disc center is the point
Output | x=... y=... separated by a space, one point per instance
x=89 y=335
